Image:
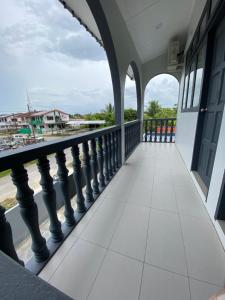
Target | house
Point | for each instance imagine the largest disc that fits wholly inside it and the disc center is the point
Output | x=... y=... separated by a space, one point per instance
x=42 y=121
x=45 y=121
x=14 y=121
x=148 y=222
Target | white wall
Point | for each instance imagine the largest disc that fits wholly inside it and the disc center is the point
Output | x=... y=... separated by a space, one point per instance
x=185 y=138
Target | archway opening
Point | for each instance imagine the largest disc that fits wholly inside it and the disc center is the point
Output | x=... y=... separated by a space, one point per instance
x=160 y=109
x=130 y=97
x=161 y=97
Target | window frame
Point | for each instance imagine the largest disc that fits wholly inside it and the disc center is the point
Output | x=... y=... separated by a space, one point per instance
x=197 y=44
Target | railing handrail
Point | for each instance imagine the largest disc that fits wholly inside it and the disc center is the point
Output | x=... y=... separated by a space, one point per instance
x=11 y=158
x=130 y=123
x=158 y=119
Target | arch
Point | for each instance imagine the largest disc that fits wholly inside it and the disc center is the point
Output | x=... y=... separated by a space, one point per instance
x=138 y=87
x=169 y=76
x=103 y=27
x=136 y=77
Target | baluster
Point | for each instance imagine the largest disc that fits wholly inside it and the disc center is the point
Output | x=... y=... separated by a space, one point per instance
x=101 y=164
x=6 y=240
x=113 y=152
x=171 y=132
x=49 y=197
x=94 y=168
x=87 y=174
x=155 y=131
x=117 y=149
x=150 y=130
x=125 y=146
x=105 y=151
x=29 y=212
x=146 y=130
x=77 y=176
x=161 y=124
x=109 y=155
x=166 y=131
x=64 y=184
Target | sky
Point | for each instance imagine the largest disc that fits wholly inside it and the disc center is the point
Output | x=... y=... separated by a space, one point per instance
x=46 y=53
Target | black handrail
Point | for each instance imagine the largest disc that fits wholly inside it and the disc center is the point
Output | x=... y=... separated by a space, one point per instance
x=100 y=161
x=11 y=158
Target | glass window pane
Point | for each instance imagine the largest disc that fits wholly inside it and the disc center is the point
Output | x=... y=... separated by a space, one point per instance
x=190 y=86
x=185 y=91
x=203 y=25
x=213 y=5
x=199 y=77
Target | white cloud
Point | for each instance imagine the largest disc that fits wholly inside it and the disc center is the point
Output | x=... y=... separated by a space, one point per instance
x=163 y=88
x=45 y=50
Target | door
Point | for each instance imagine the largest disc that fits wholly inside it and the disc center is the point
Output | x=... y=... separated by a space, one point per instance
x=213 y=109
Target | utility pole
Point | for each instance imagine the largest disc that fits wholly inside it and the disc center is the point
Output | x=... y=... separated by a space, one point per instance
x=29 y=108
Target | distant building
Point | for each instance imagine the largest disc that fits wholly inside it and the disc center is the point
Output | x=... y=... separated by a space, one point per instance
x=45 y=121
x=90 y=123
x=41 y=121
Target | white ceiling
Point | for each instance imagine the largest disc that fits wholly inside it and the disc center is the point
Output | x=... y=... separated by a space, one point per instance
x=154 y=23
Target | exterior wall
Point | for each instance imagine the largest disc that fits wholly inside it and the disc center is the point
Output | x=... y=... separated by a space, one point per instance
x=155 y=67
x=185 y=138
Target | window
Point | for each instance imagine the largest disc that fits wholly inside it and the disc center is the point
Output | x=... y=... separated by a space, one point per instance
x=203 y=24
x=49 y=118
x=190 y=85
x=213 y=5
x=185 y=90
x=193 y=79
x=199 y=76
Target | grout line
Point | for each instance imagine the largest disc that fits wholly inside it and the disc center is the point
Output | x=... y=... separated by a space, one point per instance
x=50 y=277
x=146 y=242
x=165 y=269
x=182 y=236
x=106 y=252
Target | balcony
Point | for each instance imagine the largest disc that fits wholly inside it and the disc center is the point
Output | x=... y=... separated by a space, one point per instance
x=148 y=236
x=147 y=233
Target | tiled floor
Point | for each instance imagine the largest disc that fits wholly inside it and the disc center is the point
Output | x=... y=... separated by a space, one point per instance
x=148 y=236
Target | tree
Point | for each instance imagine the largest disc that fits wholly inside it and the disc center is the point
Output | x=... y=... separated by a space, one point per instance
x=153 y=108
x=109 y=108
x=130 y=114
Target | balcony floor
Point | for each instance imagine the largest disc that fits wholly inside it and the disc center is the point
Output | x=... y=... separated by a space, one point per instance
x=148 y=236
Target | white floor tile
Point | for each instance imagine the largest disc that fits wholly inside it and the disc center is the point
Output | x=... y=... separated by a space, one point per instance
x=131 y=234
x=205 y=255
x=158 y=284
x=189 y=202
x=101 y=228
x=57 y=258
x=201 y=290
x=118 y=279
x=165 y=246
x=163 y=197
x=77 y=272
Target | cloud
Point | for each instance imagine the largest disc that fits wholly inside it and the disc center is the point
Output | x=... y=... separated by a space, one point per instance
x=163 y=88
x=45 y=50
x=48 y=28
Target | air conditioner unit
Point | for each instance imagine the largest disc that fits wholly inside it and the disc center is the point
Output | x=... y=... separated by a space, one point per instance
x=173 y=51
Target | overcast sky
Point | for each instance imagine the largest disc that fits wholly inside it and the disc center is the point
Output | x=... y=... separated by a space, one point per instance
x=45 y=50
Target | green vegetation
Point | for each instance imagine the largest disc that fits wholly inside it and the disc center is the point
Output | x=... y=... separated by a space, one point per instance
x=4 y=173
x=155 y=110
x=7 y=172
x=107 y=114
x=9 y=203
